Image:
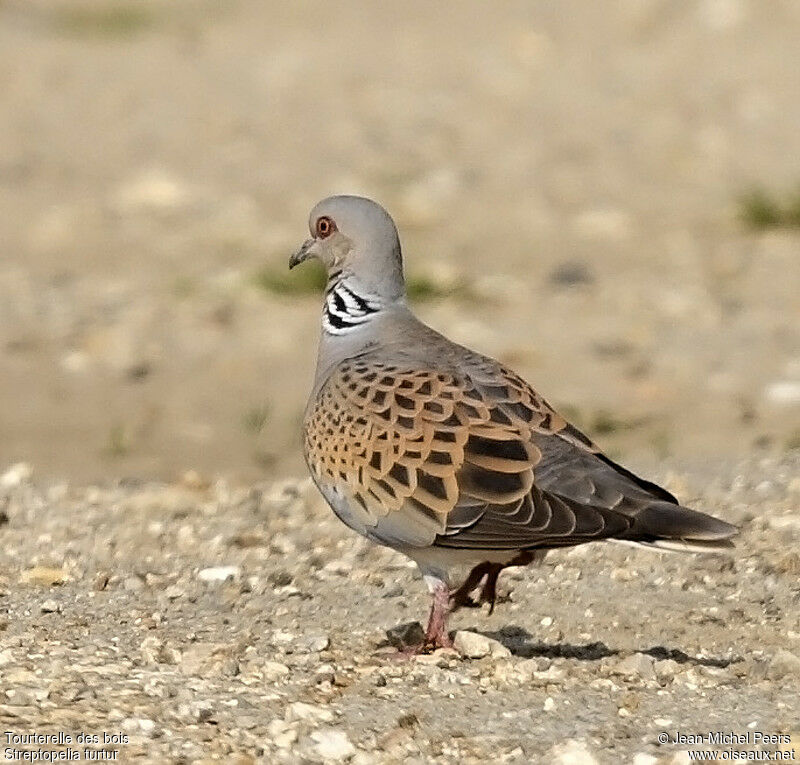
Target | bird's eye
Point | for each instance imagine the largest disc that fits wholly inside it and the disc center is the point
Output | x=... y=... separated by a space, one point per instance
x=325 y=227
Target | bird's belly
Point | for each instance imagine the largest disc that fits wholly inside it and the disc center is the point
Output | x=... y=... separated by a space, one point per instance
x=449 y=564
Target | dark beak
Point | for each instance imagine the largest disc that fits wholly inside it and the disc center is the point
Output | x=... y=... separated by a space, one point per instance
x=302 y=254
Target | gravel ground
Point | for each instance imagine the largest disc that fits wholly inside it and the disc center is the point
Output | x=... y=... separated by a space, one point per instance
x=200 y=621
x=578 y=165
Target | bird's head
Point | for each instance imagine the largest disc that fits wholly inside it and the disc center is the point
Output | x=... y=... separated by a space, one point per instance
x=356 y=236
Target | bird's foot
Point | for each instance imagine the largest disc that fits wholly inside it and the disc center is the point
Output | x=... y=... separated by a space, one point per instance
x=425 y=648
x=434 y=642
x=436 y=632
x=462 y=597
x=462 y=600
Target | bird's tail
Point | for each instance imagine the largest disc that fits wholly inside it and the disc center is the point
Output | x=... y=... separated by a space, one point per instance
x=672 y=527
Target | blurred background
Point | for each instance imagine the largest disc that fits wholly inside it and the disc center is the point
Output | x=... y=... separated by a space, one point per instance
x=605 y=196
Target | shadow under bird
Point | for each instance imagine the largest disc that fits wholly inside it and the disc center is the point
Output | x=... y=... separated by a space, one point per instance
x=447 y=455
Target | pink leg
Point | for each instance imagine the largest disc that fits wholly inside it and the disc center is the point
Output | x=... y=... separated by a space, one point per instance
x=436 y=633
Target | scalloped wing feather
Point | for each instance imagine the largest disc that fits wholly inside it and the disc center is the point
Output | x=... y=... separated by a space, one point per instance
x=409 y=445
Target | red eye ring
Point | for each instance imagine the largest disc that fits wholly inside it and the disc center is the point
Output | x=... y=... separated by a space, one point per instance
x=325 y=227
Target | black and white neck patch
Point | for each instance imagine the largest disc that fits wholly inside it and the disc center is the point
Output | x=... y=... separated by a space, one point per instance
x=345 y=309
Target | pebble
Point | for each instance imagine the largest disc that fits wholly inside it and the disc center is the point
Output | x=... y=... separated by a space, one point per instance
x=784 y=664
x=100 y=581
x=196 y=712
x=50 y=606
x=551 y=676
x=219 y=574
x=273 y=670
x=173 y=592
x=666 y=668
x=406 y=635
x=43 y=576
x=314 y=643
x=140 y=725
x=636 y=665
x=572 y=752
x=16 y=475
x=332 y=745
x=299 y=710
x=283 y=734
x=475 y=646
x=154 y=651
x=528 y=667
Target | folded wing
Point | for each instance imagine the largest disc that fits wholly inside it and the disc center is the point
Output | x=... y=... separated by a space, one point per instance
x=475 y=459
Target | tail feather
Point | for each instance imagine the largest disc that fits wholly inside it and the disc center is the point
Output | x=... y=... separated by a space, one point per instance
x=677 y=545
x=673 y=527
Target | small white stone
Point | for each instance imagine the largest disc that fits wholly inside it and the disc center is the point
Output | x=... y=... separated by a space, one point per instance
x=475 y=646
x=282 y=734
x=546 y=621
x=299 y=710
x=644 y=759
x=549 y=704
x=316 y=643
x=16 y=475
x=550 y=675
x=50 y=606
x=636 y=665
x=273 y=670
x=173 y=592
x=572 y=752
x=332 y=745
x=140 y=725
x=667 y=668
x=219 y=573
